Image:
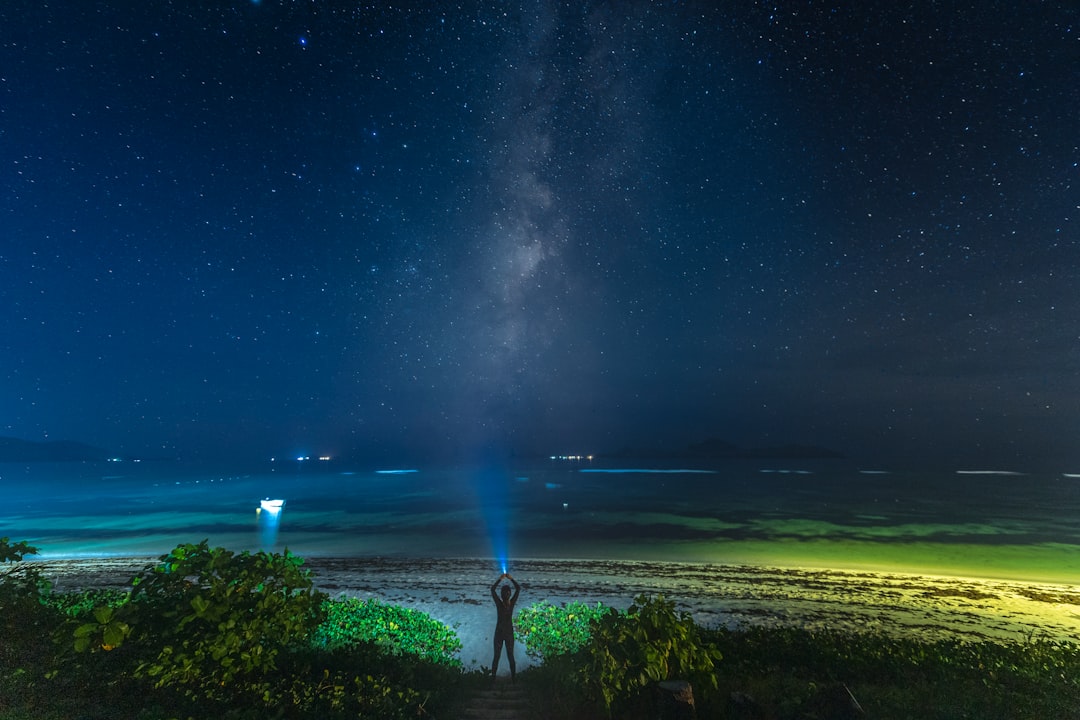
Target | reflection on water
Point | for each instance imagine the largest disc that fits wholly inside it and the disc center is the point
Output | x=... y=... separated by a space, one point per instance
x=823 y=514
x=269 y=515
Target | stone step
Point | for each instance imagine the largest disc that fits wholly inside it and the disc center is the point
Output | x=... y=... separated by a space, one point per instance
x=503 y=701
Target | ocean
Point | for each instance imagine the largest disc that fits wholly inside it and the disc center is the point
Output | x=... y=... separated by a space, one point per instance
x=815 y=514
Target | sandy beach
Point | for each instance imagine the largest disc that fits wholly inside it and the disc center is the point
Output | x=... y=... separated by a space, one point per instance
x=455 y=591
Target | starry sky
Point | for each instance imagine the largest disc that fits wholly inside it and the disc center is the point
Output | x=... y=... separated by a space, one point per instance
x=419 y=230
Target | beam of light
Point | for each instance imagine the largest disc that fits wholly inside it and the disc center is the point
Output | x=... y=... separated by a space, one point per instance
x=491 y=488
x=268 y=515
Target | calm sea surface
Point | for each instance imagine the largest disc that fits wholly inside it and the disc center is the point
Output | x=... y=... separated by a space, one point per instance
x=786 y=513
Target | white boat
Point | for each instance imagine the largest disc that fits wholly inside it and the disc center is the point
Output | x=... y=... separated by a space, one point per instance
x=270 y=505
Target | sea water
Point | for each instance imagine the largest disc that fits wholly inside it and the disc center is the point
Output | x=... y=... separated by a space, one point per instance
x=822 y=514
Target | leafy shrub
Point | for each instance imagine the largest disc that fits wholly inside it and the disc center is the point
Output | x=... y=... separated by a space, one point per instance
x=346 y=695
x=81 y=603
x=208 y=621
x=391 y=628
x=648 y=643
x=549 y=630
x=21 y=584
x=210 y=633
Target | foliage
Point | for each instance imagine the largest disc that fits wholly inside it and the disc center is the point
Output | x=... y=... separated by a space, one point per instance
x=210 y=633
x=648 y=643
x=391 y=628
x=342 y=694
x=24 y=618
x=549 y=630
x=787 y=671
x=888 y=658
x=81 y=603
x=335 y=671
x=208 y=621
x=20 y=582
x=903 y=676
x=13 y=552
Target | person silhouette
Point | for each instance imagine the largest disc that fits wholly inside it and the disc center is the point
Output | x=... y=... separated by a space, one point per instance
x=504 y=624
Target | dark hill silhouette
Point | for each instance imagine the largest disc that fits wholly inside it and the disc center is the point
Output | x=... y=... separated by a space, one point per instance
x=16 y=450
x=717 y=449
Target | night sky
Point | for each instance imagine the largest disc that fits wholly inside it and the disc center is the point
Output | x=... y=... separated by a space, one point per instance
x=247 y=229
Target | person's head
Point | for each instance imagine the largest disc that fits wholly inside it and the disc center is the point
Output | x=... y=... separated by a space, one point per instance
x=505 y=592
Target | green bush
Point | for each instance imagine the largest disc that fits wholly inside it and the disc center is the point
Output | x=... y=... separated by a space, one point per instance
x=391 y=628
x=549 y=630
x=210 y=633
x=648 y=643
x=209 y=622
x=78 y=604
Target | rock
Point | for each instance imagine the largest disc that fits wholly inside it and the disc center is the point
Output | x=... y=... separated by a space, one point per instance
x=835 y=702
x=675 y=700
x=742 y=706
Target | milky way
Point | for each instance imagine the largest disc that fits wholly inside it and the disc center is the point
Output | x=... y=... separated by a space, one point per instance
x=268 y=228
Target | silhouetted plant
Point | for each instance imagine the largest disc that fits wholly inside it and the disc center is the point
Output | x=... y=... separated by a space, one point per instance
x=648 y=643
x=20 y=582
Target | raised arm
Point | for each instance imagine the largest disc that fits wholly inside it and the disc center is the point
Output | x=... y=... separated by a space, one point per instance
x=517 y=588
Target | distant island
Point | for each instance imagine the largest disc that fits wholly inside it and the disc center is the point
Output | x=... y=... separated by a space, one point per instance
x=717 y=449
x=16 y=450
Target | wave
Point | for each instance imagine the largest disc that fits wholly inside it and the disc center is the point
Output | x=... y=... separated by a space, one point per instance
x=650 y=471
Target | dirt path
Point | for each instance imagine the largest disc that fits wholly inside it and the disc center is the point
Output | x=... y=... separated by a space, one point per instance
x=504 y=700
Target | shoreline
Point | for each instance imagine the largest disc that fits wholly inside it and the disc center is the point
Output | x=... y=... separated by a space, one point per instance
x=455 y=592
